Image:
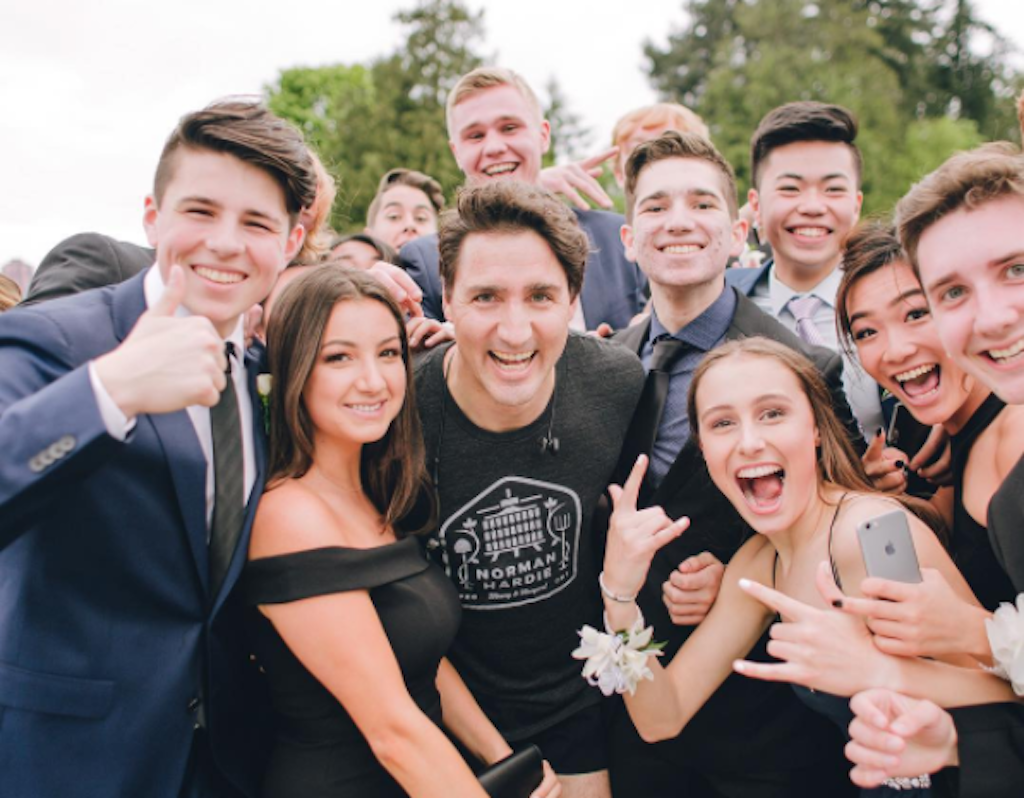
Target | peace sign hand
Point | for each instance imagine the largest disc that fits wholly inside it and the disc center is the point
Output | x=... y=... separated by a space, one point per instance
x=634 y=536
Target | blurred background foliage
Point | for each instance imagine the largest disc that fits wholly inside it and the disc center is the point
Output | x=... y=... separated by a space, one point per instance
x=924 y=77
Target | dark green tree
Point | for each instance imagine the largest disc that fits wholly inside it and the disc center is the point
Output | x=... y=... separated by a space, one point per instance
x=902 y=65
x=365 y=120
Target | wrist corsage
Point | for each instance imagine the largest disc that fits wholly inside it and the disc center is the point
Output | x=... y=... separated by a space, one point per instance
x=1006 y=636
x=616 y=661
x=264 y=382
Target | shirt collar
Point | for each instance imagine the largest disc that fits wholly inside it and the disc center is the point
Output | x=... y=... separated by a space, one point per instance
x=779 y=293
x=704 y=331
x=153 y=287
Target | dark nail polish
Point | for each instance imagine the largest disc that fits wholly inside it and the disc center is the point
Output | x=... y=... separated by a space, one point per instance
x=900 y=464
x=837 y=603
x=880 y=431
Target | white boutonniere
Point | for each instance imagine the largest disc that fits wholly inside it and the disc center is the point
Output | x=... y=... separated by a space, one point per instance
x=264 y=382
x=1006 y=636
x=750 y=258
x=616 y=662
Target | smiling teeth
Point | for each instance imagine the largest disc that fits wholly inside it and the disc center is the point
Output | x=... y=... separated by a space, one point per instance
x=500 y=169
x=811 y=232
x=367 y=408
x=753 y=472
x=920 y=371
x=682 y=249
x=1006 y=354
x=216 y=276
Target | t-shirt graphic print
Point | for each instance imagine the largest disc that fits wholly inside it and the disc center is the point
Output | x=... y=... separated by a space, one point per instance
x=514 y=543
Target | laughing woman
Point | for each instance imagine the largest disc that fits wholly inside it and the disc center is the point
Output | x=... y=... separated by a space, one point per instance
x=353 y=621
x=762 y=417
x=882 y=311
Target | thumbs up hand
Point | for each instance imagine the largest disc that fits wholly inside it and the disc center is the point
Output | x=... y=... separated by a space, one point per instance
x=166 y=363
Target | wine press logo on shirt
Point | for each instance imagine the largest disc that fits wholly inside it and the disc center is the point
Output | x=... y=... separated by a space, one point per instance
x=515 y=543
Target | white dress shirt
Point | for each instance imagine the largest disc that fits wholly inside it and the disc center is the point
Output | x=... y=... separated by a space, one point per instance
x=118 y=425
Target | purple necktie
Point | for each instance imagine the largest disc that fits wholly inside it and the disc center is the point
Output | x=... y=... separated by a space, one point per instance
x=803 y=310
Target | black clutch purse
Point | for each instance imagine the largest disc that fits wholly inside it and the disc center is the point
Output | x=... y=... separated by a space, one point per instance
x=515 y=776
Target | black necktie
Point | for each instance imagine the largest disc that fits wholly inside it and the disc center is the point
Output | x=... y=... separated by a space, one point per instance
x=228 y=479
x=647 y=419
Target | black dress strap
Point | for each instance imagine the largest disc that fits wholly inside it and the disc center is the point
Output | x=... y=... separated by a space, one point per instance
x=331 y=569
x=831 y=529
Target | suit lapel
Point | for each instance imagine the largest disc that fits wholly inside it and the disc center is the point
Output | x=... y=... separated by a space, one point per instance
x=188 y=466
x=175 y=432
x=255 y=364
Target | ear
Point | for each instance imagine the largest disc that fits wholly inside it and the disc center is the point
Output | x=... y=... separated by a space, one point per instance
x=445 y=304
x=817 y=437
x=739 y=237
x=755 y=205
x=626 y=235
x=545 y=135
x=860 y=202
x=150 y=215
x=294 y=243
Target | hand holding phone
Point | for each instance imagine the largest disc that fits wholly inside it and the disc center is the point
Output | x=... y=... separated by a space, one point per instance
x=888 y=548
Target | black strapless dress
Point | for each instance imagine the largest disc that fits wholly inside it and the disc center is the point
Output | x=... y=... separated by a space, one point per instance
x=319 y=751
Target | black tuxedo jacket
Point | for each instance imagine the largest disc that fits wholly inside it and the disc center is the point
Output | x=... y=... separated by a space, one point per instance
x=84 y=261
x=763 y=720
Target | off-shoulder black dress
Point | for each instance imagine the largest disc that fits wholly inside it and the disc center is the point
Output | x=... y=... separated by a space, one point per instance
x=320 y=752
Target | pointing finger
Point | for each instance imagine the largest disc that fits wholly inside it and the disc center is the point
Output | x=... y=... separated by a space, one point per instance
x=773 y=599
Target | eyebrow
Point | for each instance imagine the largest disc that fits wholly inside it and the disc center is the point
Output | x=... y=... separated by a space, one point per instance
x=765 y=397
x=797 y=176
x=503 y=118
x=899 y=298
x=995 y=263
x=214 y=204
x=396 y=203
x=343 y=342
x=690 y=192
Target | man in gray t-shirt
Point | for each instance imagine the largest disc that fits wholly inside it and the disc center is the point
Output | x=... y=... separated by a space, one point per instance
x=523 y=424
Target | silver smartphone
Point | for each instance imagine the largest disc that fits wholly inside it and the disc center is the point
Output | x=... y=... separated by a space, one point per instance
x=888 y=548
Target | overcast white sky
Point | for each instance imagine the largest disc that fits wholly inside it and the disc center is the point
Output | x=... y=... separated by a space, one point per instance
x=89 y=91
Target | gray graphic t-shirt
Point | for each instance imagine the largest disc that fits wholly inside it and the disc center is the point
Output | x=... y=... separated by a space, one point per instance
x=515 y=532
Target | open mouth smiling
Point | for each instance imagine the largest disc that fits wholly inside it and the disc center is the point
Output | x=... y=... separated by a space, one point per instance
x=512 y=361
x=218 y=276
x=494 y=170
x=1010 y=354
x=920 y=382
x=762 y=486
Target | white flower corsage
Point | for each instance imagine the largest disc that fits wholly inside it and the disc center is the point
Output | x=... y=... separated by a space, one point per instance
x=750 y=258
x=617 y=661
x=1006 y=636
x=264 y=382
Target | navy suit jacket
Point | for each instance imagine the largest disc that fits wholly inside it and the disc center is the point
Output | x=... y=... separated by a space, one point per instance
x=744 y=280
x=613 y=288
x=112 y=646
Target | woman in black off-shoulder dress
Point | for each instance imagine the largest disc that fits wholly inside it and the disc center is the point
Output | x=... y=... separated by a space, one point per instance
x=351 y=621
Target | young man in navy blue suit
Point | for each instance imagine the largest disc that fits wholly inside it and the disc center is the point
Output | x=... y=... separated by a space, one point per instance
x=121 y=671
x=496 y=131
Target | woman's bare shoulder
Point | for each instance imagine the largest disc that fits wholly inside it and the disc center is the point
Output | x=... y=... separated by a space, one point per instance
x=291 y=517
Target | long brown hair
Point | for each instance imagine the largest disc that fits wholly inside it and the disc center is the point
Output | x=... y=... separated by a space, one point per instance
x=393 y=469
x=838 y=462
